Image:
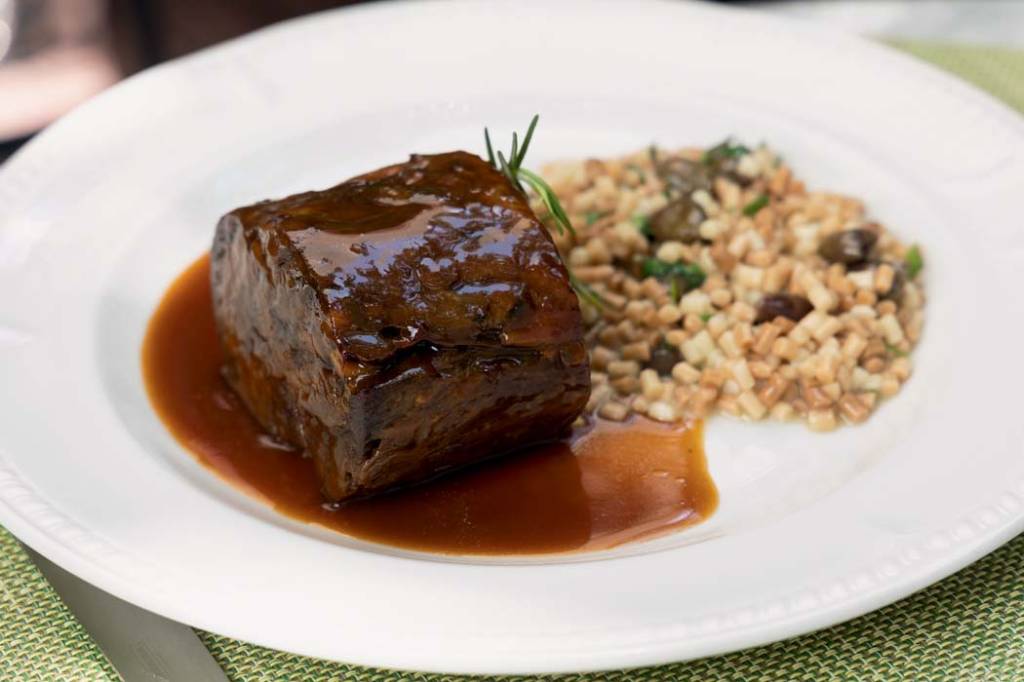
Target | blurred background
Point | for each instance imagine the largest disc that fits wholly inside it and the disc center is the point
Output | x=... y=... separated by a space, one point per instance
x=55 y=54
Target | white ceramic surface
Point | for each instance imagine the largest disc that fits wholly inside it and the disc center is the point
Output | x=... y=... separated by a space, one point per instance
x=99 y=213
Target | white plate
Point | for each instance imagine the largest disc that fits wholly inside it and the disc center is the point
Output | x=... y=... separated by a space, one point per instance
x=100 y=213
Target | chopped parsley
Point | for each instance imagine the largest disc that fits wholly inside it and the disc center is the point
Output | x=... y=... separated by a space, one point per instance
x=656 y=268
x=896 y=351
x=643 y=224
x=591 y=217
x=681 y=277
x=914 y=261
x=726 y=149
x=756 y=205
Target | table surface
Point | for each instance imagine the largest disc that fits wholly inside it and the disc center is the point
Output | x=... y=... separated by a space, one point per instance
x=980 y=22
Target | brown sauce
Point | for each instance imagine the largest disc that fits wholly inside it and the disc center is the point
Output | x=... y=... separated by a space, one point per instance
x=608 y=484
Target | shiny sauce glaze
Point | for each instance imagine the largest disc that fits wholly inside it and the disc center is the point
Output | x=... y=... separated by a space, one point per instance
x=441 y=249
x=607 y=484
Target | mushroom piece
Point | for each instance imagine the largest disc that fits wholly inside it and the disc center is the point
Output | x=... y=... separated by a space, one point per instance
x=679 y=220
x=849 y=247
x=683 y=177
x=782 y=305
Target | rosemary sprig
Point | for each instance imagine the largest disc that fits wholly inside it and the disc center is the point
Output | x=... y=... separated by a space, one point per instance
x=548 y=198
x=586 y=292
x=512 y=167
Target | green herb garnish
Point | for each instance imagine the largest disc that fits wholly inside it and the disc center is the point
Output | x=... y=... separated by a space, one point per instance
x=914 y=261
x=639 y=171
x=673 y=290
x=586 y=292
x=548 y=198
x=686 y=276
x=704 y=317
x=656 y=268
x=591 y=217
x=896 y=351
x=643 y=224
x=512 y=167
x=692 y=274
x=726 y=149
x=756 y=205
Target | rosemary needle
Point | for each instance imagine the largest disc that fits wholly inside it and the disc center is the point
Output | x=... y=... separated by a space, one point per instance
x=512 y=167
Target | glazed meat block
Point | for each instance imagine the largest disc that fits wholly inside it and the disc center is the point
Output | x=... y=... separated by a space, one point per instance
x=406 y=322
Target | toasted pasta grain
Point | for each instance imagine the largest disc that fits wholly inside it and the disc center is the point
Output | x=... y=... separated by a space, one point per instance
x=681 y=248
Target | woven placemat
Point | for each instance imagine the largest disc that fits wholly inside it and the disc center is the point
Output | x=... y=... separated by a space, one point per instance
x=969 y=627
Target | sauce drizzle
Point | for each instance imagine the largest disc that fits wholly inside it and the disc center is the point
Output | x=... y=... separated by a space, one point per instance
x=607 y=484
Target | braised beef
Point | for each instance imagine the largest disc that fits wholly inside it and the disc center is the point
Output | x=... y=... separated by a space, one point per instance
x=403 y=323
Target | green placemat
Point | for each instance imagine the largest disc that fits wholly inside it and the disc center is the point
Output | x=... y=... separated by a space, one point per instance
x=969 y=627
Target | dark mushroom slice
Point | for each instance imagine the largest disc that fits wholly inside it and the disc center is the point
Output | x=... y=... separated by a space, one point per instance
x=849 y=247
x=683 y=177
x=635 y=265
x=899 y=279
x=730 y=173
x=790 y=306
x=664 y=358
x=724 y=160
x=679 y=220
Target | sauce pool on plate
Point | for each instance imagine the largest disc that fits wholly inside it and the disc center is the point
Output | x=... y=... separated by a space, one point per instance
x=607 y=484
